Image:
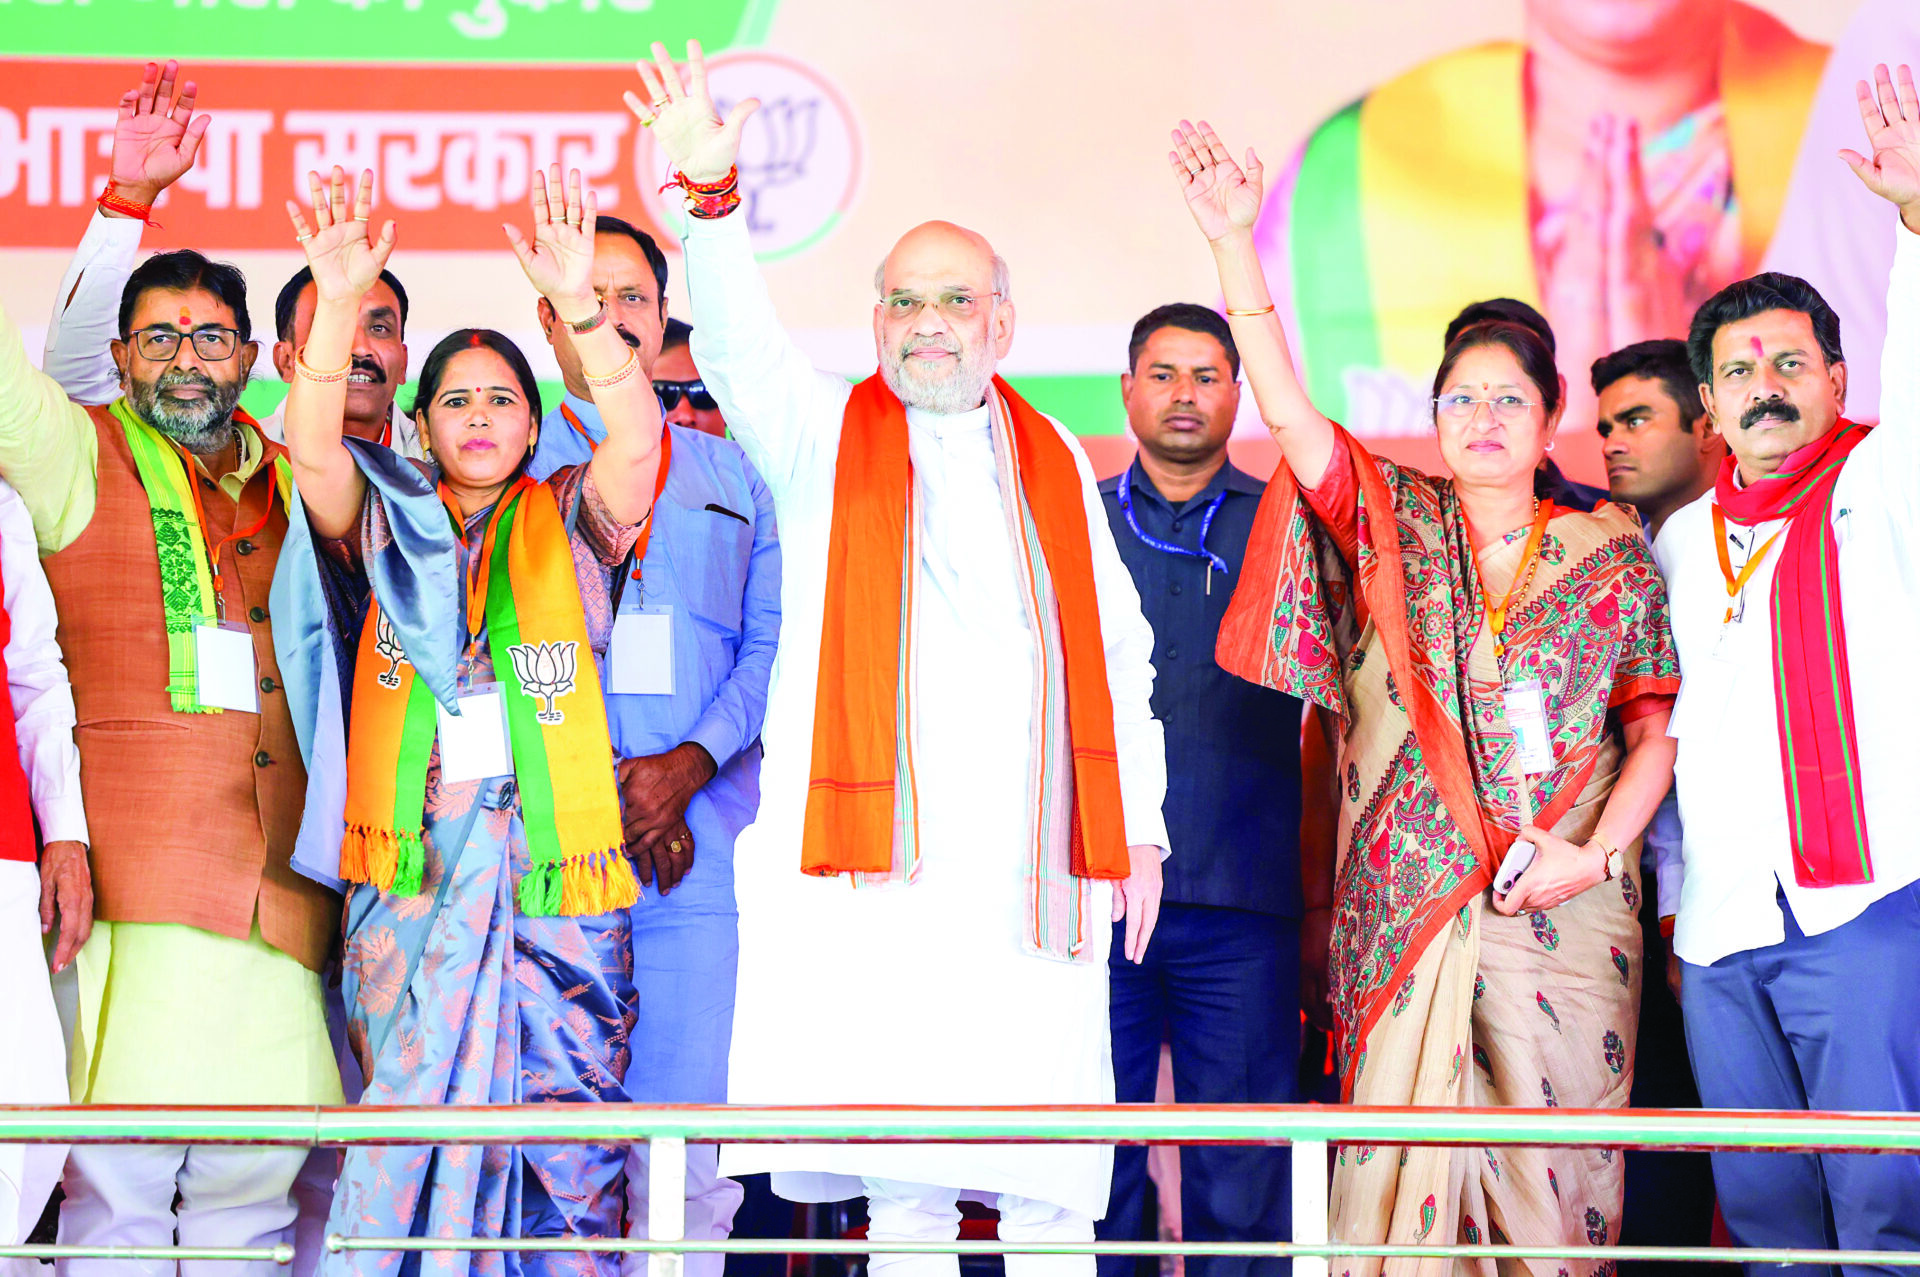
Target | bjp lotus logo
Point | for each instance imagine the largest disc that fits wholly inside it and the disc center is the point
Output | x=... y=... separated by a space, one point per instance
x=387 y=644
x=545 y=671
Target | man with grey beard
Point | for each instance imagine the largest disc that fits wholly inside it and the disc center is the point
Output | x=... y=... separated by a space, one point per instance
x=160 y=518
x=958 y=722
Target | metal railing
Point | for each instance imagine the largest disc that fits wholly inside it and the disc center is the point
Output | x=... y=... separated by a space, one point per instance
x=1309 y=1130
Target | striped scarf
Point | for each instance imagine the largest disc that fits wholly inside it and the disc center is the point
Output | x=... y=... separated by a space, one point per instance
x=1819 y=750
x=562 y=758
x=862 y=803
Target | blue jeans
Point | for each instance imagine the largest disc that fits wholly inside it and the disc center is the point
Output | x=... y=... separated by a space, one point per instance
x=1224 y=986
x=1815 y=1022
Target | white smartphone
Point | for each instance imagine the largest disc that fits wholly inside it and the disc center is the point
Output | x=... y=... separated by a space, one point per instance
x=1519 y=856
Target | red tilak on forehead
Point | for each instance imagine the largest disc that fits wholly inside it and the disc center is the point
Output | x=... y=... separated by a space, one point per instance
x=186 y=320
x=1758 y=349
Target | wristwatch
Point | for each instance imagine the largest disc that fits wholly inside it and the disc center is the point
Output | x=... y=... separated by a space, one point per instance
x=1616 y=864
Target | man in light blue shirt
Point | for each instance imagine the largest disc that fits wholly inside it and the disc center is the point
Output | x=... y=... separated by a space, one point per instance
x=690 y=756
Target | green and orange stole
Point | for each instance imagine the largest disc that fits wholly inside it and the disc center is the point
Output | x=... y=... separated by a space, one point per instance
x=562 y=759
x=862 y=815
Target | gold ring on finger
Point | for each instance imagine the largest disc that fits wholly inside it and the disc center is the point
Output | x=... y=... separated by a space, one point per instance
x=655 y=106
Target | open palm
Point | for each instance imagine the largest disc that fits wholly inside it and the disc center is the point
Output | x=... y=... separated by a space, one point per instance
x=683 y=117
x=344 y=259
x=1222 y=196
x=559 y=261
x=1892 y=117
x=156 y=136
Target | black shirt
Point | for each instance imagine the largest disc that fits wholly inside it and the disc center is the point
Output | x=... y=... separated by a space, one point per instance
x=1233 y=749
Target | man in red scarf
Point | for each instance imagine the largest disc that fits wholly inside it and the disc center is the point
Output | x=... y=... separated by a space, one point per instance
x=1795 y=589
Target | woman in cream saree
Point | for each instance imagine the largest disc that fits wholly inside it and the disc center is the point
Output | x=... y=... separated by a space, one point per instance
x=1417 y=610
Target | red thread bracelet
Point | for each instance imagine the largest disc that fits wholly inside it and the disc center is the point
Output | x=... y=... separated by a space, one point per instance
x=114 y=203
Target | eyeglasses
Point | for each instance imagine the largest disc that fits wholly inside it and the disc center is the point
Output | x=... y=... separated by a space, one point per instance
x=1461 y=408
x=954 y=304
x=694 y=392
x=163 y=344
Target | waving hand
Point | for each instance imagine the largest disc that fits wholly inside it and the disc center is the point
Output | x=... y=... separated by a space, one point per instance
x=1892 y=117
x=1222 y=196
x=559 y=261
x=345 y=261
x=683 y=117
x=157 y=135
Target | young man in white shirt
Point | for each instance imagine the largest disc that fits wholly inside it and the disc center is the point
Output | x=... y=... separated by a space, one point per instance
x=1795 y=591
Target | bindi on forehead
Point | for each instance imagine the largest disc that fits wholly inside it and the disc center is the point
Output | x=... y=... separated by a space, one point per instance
x=1759 y=350
x=186 y=319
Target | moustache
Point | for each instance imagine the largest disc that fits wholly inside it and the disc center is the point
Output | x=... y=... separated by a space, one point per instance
x=1778 y=409
x=627 y=337
x=363 y=364
x=928 y=343
x=176 y=378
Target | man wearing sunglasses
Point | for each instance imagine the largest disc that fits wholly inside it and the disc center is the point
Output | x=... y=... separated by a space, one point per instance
x=160 y=517
x=684 y=396
x=698 y=613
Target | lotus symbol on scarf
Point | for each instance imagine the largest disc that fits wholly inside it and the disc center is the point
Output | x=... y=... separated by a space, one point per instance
x=387 y=644
x=545 y=670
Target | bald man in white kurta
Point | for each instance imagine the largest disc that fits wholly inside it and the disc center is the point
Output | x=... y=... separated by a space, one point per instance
x=918 y=994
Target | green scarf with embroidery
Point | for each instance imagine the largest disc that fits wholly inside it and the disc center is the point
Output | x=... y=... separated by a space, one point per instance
x=186 y=575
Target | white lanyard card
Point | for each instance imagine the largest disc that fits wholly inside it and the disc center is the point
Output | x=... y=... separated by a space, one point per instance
x=640 y=655
x=1526 y=710
x=474 y=745
x=223 y=666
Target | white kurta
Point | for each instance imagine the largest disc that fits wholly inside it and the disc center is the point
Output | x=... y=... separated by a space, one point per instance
x=1738 y=848
x=915 y=994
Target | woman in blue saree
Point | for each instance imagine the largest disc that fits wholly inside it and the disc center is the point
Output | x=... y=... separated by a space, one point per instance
x=475 y=823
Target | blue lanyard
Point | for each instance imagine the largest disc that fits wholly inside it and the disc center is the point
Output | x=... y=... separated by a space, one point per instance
x=1125 y=493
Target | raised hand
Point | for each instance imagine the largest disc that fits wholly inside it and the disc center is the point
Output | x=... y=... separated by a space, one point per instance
x=683 y=118
x=345 y=262
x=1892 y=117
x=559 y=261
x=1644 y=298
x=157 y=135
x=1223 y=197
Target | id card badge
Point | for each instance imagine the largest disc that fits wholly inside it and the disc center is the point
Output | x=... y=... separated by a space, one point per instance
x=1526 y=710
x=640 y=656
x=474 y=746
x=223 y=671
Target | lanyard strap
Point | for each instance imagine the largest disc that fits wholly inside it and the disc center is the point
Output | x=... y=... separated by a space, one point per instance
x=1125 y=494
x=200 y=517
x=1522 y=576
x=637 y=556
x=479 y=572
x=579 y=428
x=1735 y=584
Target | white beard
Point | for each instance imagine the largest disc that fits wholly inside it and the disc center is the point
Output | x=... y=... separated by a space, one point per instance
x=963 y=389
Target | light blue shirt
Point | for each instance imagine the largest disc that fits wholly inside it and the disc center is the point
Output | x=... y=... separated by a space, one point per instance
x=714 y=558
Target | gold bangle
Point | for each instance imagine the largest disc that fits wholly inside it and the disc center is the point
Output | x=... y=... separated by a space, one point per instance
x=618 y=375
x=301 y=369
x=1250 y=314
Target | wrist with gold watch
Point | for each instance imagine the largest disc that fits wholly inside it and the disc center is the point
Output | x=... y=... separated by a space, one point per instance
x=1613 y=864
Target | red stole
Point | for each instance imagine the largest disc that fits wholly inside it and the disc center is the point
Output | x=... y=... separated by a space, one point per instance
x=1819 y=751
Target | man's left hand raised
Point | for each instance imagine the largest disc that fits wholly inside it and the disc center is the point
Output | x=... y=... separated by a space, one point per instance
x=654 y=793
x=1137 y=899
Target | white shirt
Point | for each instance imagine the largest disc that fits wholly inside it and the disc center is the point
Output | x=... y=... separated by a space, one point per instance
x=42 y=698
x=924 y=990
x=86 y=317
x=1737 y=846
